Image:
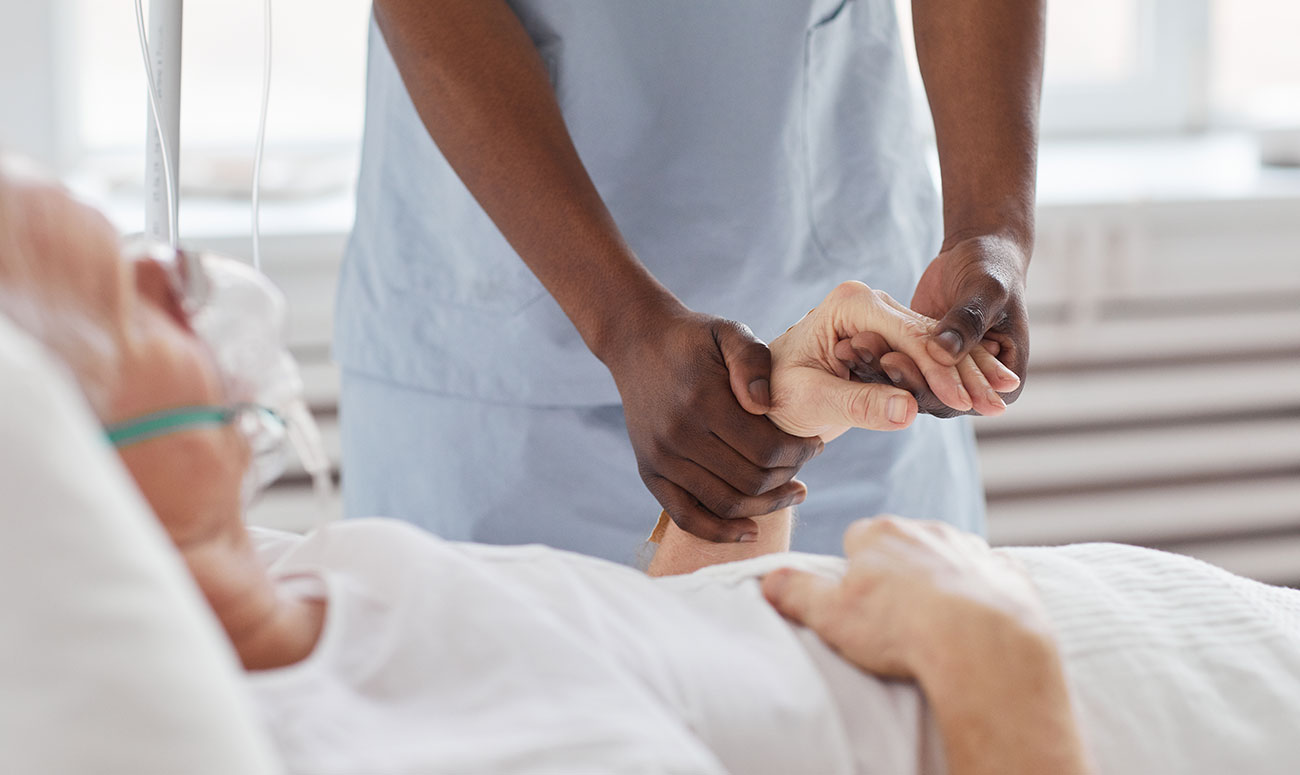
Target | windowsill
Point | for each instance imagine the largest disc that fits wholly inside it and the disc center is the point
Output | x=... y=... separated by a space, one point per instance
x=1208 y=168
x=1203 y=168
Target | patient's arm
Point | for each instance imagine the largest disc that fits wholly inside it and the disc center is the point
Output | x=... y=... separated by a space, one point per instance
x=680 y=552
x=922 y=600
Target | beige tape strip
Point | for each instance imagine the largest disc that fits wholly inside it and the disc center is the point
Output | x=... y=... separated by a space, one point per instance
x=661 y=527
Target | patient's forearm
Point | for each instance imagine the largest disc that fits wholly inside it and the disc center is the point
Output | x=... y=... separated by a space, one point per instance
x=680 y=552
x=1003 y=707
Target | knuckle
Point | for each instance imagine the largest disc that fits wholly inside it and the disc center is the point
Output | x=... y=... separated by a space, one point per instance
x=726 y=508
x=888 y=524
x=849 y=289
x=756 y=481
x=864 y=406
x=771 y=456
x=857 y=530
x=915 y=327
x=972 y=317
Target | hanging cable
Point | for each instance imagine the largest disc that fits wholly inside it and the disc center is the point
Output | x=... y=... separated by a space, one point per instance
x=154 y=98
x=261 y=135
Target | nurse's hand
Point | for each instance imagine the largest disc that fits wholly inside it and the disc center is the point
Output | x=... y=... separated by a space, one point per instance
x=694 y=391
x=813 y=395
x=975 y=288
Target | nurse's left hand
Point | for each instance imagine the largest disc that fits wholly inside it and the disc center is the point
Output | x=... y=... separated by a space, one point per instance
x=975 y=288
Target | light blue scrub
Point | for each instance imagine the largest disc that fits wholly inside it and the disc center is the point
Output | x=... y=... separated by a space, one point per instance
x=753 y=155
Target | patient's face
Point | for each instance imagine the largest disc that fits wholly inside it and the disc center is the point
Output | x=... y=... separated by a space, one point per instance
x=159 y=363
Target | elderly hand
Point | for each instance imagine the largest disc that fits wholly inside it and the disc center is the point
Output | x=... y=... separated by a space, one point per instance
x=812 y=394
x=975 y=288
x=913 y=591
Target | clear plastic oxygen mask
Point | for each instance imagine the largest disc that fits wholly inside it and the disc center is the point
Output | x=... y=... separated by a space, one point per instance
x=239 y=315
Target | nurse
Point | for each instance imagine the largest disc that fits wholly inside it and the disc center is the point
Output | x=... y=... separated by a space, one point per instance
x=577 y=222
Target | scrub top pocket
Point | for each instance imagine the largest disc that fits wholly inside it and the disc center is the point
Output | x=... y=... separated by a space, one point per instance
x=870 y=204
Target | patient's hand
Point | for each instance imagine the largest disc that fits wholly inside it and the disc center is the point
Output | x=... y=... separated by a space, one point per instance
x=923 y=600
x=813 y=395
x=912 y=590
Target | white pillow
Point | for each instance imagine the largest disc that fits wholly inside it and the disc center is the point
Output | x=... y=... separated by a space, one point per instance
x=110 y=660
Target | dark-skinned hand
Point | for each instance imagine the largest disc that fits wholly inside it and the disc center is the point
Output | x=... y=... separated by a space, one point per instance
x=975 y=290
x=694 y=392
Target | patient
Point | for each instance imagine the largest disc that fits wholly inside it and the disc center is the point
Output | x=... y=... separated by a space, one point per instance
x=372 y=647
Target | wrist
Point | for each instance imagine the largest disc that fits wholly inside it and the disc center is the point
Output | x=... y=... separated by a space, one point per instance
x=992 y=642
x=680 y=552
x=1008 y=248
x=622 y=321
x=1013 y=229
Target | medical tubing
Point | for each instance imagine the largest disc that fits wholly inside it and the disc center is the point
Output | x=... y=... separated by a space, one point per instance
x=154 y=99
x=155 y=424
x=261 y=135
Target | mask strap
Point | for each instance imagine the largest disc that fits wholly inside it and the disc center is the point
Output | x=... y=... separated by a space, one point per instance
x=155 y=424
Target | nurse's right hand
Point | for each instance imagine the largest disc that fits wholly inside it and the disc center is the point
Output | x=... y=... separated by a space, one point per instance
x=694 y=388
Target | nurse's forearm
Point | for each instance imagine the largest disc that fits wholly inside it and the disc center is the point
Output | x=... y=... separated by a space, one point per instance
x=982 y=62
x=483 y=93
x=680 y=552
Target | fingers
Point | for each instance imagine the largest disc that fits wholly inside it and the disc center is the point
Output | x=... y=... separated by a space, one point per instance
x=765 y=445
x=983 y=376
x=749 y=365
x=1000 y=378
x=801 y=597
x=717 y=457
x=966 y=322
x=984 y=399
x=861 y=405
x=854 y=308
x=690 y=516
x=723 y=500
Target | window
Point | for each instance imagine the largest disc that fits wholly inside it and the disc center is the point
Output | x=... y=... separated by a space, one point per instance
x=1256 y=75
x=315 y=116
x=1148 y=66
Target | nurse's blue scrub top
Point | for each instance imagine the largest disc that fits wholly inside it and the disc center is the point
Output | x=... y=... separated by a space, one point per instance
x=753 y=155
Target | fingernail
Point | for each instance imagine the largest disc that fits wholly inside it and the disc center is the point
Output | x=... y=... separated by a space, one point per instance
x=896 y=408
x=894 y=375
x=1006 y=371
x=965 y=396
x=950 y=340
x=863 y=355
x=995 y=399
x=761 y=392
x=747 y=538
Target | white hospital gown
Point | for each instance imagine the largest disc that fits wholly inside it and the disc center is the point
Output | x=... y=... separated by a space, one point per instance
x=461 y=658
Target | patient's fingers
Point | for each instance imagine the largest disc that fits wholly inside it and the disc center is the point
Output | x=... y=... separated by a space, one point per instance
x=984 y=399
x=861 y=405
x=855 y=308
x=692 y=517
x=802 y=597
x=1001 y=378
